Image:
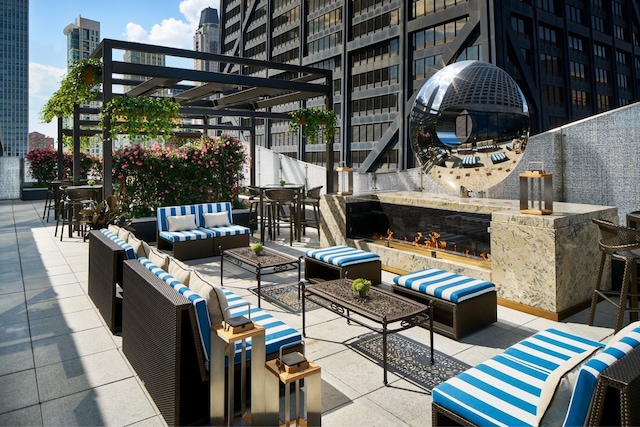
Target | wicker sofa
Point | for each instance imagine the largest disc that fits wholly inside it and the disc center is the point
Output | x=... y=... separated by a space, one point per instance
x=166 y=335
x=550 y=378
x=200 y=230
x=108 y=248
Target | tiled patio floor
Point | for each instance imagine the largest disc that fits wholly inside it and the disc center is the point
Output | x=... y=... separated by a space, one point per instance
x=60 y=365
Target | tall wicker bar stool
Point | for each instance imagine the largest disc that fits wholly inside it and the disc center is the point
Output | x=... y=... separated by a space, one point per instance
x=312 y=199
x=278 y=199
x=618 y=242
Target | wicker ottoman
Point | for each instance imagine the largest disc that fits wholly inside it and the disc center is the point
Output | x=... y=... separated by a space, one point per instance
x=462 y=304
x=337 y=262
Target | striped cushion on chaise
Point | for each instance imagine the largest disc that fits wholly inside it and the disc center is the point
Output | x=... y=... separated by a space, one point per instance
x=166 y=211
x=625 y=340
x=444 y=284
x=342 y=256
x=514 y=388
x=128 y=249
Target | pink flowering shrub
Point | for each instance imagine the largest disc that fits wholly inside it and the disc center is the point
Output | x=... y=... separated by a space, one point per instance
x=207 y=171
x=43 y=164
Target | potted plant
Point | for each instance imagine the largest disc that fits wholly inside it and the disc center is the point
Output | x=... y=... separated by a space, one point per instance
x=141 y=116
x=361 y=286
x=313 y=119
x=79 y=86
x=257 y=248
x=282 y=182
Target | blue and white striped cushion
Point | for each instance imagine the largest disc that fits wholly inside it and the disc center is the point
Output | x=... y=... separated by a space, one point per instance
x=277 y=333
x=444 y=284
x=512 y=388
x=214 y=208
x=167 y=211
x=470 y=161
x=228 y=230
x=588 y=376
x=128 y=249
x=498 y=157
x=187 y=235
x=342 y=256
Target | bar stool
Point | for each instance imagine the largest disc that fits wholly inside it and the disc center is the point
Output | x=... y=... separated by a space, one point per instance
x=70 y=206
x=254 y=207
x=312 y=199
x=50 y=202
x=277 y=199
x=618 y=242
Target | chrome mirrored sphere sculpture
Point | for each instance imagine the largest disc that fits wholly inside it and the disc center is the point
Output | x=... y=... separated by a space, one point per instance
x=469 y=126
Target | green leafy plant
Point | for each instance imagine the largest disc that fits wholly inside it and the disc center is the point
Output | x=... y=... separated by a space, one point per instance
x=312 y=120
x=79 y=86
x=257 y=248
x=361 y=285
x=283 y=182
x=142 y=116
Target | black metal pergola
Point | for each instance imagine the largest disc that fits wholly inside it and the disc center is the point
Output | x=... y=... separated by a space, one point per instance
x=252 y=89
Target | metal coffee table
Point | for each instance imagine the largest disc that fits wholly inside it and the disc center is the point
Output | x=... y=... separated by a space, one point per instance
x=269 y=262
x=379 y=306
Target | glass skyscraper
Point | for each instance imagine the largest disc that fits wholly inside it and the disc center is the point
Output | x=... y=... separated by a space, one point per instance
x=14 y=77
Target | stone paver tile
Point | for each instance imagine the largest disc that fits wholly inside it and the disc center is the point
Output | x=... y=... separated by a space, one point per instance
x=14 y=333
x=7 y=287
x=65 y=324
x=18 y=390
x=29 y=416
x=36 y=296
x=32 y=272
x=118 y=403
x=56 y=307
x=362 y=412
x=76 y=375
x=50 y=281
x=12 y=308
x=71 y=346
x=16 y=358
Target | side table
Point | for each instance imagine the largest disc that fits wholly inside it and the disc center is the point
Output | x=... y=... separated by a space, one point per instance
x=222 y=342
x=312 y=394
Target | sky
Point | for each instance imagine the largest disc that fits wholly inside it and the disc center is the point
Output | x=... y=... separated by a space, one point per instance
x=160 y=22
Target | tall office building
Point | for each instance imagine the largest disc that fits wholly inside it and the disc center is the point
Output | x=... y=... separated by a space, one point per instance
x=571 y=58
x=14 y=77
x=207 y=38
x=83 y=36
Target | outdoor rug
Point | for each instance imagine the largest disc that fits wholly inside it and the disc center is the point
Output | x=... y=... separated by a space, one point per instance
x=284 y=297
x=409 y=359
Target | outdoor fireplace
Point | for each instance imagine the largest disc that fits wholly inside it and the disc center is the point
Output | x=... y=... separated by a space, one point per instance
x=438 y=233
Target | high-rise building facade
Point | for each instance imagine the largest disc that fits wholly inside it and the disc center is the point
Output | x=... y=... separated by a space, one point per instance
x=83 y=37
x=207 y=38
x=571 y=58
x=14 y=77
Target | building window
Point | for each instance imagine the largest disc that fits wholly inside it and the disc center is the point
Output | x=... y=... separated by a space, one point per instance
x=579 y=98
x=576 y=70
x=597 y=23
x=620 y=32
x=575 y=43
x=603 y=102
x=520 y=26
x=549 y=64
x=552 y=95
x=617 y=9
x=426 y=7
x=621 y=57
x=574 y=14
x=601 y=76
x=547 y=34
x=600 y=51
x=547 y=5
x=623 y=81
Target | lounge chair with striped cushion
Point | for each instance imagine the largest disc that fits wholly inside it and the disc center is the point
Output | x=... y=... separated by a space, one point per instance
x=337 y=262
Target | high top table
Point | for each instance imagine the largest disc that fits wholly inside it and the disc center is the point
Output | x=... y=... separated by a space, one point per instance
x=299 y=188
x=379 y=306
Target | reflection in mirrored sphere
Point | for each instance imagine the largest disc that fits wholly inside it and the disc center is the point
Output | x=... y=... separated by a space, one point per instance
x=469 y=125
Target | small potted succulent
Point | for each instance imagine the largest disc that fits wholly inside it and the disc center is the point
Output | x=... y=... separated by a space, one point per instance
x=91 y=182
x=257 y=248
x=361 y=286
x=282 y=182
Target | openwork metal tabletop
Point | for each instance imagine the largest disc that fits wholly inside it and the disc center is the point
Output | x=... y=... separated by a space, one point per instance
x=377 y=305
x=269 y=257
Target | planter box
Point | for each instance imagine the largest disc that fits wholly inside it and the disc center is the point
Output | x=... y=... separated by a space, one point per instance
x=33 y=194
x=145 y=228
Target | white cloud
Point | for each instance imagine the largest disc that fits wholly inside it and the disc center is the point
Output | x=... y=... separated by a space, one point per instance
x=44 y=80
x=171 y=32
x=191 y=9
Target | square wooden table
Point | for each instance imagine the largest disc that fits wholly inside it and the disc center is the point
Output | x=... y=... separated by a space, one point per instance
x=269 y=262
x=379 y=306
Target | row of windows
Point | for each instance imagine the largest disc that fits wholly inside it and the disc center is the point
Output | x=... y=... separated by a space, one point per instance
x=287 y=17
x=600 y=51
x=421 y=68
x=325 y=43
x=553 y=95
x=426 y=7
x=376 y=78
x=377 y=23
x=574 y=14
x=287 y=56
x=286 y=37
x=604 y=102
x=601 y=76
x=579 y=98
x=325 y=21
x=363 y=5
x=315 y=4
x=375 y=53
x=387 y=103
x=257 y=32
x=438 y=34
x=597 y=23
x=369 y=132
x=255 y=51
x=547 y=5
x=575 y=43
x=550 y=64
x=576 y=70
x=547 y=34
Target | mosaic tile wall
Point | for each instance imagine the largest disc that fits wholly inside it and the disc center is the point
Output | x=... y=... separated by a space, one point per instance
x=10 y=178
x=593 y=161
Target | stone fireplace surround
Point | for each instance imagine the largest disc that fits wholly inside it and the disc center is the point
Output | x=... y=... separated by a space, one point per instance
x=545 y=265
